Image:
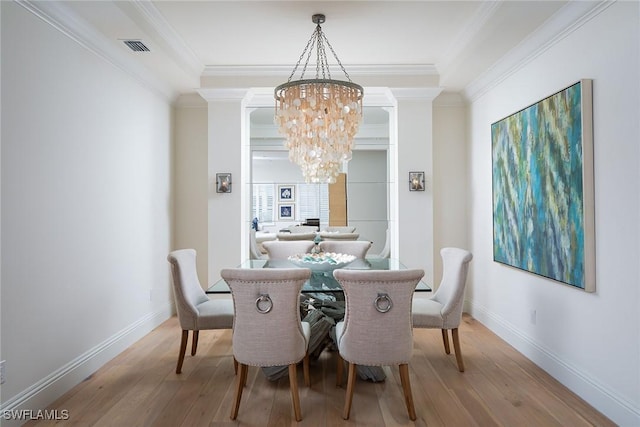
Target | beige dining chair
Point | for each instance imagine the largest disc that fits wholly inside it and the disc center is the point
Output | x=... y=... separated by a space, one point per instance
x=443 y=310
x=338 y=236
x=254 y=249
x=376 y=330
x=267 y=330
x=295 y=236
x=357 y=248
x=386 y=250
x=196 y=311
x=277 y=249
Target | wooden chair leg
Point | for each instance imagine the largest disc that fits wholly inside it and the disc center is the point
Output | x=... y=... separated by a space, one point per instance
x=351 y=380
x=239 y=387
x=305 y=370
x=445 y=339
x=456 y=347
x=406 y=388
x=339 y=369
x=194 y=342
x=293 y=385
x=235 y=366
x=183 y=349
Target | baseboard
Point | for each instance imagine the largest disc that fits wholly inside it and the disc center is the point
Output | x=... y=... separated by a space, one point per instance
x=618 y=409
x=50 y=388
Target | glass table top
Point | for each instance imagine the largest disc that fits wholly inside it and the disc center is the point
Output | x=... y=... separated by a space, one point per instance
x=320 y=281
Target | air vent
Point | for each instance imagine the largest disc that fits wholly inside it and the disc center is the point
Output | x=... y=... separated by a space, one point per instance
x=136 y=45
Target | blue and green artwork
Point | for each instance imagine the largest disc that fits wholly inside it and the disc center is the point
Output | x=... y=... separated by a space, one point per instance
x=538 y=189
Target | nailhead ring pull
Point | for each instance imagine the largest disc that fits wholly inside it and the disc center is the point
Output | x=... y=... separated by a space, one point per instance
x=383 y=303
x=264 y=301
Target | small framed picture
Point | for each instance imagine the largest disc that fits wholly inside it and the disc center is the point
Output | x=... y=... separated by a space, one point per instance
x=416 y=181
x=286 y=193
x=286 y=210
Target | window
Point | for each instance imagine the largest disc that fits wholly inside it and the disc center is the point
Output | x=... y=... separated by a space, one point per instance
x=313 y=202
x=263 y=207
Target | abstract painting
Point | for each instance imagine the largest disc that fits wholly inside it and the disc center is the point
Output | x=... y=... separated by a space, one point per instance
x=543 y=201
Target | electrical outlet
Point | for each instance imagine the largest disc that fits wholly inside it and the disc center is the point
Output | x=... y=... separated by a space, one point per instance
x=3 y=377
x=534 y=316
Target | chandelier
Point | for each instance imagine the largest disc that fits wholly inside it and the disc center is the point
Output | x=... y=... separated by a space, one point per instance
x=319 y=117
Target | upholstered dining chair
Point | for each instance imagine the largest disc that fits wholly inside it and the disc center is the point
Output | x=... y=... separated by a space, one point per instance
x=267 y=330
x=285 y=236
x=254 y=249
x=277 y=249
x=386 y=250
x=443 y=310
x=357 y=248
x=376 y=329
x=325 y=235
x=196 y=311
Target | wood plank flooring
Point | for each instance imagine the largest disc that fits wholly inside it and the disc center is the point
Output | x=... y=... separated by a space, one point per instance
x=500 y=387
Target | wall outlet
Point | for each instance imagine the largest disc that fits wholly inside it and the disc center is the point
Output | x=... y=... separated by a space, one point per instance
x=534 y=316
x=3 y=377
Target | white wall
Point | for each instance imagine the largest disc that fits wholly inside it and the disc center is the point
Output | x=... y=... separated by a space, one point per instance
x=450 y=177
x=190 y=183
x=367 y=196
x=588 y=341
x=85 y=210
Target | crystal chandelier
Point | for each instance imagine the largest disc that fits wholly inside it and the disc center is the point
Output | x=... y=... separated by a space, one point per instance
x=319 y=117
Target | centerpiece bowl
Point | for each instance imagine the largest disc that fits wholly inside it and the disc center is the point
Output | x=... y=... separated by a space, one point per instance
x=322 y=261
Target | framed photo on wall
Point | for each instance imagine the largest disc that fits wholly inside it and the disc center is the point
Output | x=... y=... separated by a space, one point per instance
x=286 y=193
x=286 y=211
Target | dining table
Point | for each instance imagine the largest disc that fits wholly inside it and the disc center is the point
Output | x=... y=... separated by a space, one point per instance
x=322 y=305
x=321 y=281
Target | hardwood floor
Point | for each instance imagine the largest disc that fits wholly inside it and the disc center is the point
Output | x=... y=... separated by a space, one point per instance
x=500 y=387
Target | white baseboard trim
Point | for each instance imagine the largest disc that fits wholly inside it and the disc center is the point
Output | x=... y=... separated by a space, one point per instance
x=48 y=389
x=617 y=408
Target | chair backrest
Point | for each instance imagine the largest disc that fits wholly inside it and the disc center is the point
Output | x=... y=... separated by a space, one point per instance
x=338 y=236
x=372 y=336
x=302 y=228
x=277 y=249
x=186 y=287
x=386 y=250
x=267 y=330
x=450 y=293
x=357 y=248
x=340 y=229
x=254 y=250
x=296 y=236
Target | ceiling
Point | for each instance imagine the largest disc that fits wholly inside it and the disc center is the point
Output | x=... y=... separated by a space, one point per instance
x=453 y=42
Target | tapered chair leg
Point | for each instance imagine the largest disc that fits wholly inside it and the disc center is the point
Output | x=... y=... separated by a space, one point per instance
x=305 y=370
x=351 y=381
x=456 y=347
x=183 y=349
x=339 y=368
x=406 y=388
x=445 y=340
x=239 y=386
x=293 y=385
x=194 y=342
x=235 y=366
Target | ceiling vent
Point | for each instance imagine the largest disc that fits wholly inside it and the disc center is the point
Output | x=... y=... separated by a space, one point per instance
x=136 y=45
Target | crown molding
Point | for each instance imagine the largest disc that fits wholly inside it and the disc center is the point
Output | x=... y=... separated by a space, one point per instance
x=63 y=19
x=226 y=94
x=416 y=93
x=567 y=20
x=175 y=46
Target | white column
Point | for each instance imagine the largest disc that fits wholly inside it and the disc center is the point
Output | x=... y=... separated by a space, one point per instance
x=225 y=214
x=415 y=146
